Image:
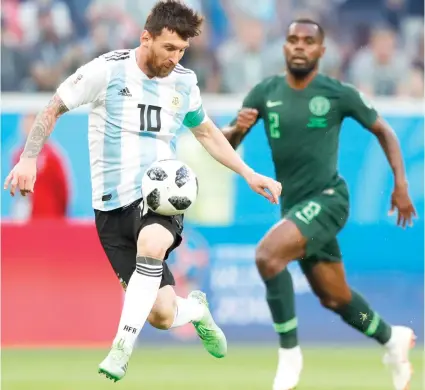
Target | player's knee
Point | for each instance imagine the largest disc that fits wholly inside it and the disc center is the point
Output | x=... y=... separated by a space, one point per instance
x=335 y=302
x=162 y=315
x=154 y=241
x=161 y=320
x=268 y=265
x=153 y=250
x=281 y=245
x=164 y=310
x=329 y=303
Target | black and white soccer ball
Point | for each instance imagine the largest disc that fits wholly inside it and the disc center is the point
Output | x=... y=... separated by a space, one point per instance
x=169 y=187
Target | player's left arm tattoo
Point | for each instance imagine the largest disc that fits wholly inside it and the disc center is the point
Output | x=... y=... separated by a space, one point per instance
x=43 y=127
x=391 y=146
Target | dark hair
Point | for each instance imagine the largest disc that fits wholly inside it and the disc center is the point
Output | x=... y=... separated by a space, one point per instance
x=310 y=21
x=176 y=17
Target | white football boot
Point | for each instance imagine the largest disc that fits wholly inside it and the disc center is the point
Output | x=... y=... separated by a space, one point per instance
x=288 y=369
x=115 y=365
x=397 y=356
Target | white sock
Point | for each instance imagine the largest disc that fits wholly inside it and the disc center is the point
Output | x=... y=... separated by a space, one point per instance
x=390 y=342
x=140 y=297
x=293 y=355
x=393 y=341
x=187 y=310
x=289 y=368
x=290 y=352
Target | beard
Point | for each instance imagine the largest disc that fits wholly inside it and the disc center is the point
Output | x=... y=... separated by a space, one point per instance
x=300 y=72
x=158 y=70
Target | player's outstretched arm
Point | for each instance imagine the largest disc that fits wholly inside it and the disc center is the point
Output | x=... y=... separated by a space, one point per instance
x=239 y=128
x=216 y=144
x=23 y=174
x=356 y=106
x=400 y=198
x=391 y=146
x=43 y=127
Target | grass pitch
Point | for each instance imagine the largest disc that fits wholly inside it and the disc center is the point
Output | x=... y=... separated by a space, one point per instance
x=190 y=368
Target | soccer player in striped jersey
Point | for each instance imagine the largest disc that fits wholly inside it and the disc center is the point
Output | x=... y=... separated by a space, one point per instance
x=140 y=99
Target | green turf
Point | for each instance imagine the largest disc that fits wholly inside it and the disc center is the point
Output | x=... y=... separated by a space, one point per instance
x=160 y=368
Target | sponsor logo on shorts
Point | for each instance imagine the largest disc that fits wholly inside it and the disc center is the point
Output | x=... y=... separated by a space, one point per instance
x=123 y=283
x=329 y=191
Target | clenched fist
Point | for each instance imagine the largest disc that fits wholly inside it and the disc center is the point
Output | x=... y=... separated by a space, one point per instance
x=246 y=119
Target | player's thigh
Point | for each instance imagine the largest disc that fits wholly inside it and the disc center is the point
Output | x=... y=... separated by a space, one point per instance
x=319 y=220
x=163 y=311
x=281 y=244
x=154 y=241
x=330 y=252
x=119 y=249
x=283 y=240
x=157 y=235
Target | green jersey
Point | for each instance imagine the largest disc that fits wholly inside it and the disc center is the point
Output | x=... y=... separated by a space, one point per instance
x=303 y=127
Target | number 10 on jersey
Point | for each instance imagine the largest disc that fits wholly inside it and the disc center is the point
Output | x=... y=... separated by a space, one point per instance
x=146 y=115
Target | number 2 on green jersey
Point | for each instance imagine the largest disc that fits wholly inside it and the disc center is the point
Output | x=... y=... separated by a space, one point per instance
x=274 y=120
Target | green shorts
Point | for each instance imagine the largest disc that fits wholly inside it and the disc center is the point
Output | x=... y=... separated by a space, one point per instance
x=320 y=218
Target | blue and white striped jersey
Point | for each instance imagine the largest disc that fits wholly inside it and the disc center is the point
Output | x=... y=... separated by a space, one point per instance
x=133 y=121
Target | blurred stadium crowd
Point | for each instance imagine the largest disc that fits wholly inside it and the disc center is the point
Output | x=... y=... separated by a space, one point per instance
x=375 y=44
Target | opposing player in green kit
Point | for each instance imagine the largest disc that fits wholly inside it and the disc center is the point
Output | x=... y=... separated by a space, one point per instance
x=303 y=112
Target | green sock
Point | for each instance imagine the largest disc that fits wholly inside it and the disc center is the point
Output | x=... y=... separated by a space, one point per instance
x=281 y=300
x=360 y=316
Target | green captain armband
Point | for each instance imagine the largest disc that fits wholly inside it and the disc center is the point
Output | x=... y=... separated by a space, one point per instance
x=194 y=118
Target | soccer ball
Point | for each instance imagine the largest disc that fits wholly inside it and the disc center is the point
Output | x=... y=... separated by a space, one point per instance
x=169 y=187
